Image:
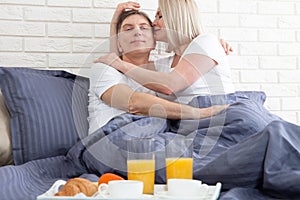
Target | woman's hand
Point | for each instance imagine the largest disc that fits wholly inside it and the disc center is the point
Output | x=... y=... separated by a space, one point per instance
x=123 y=7
x=113 y=24
x=112 y=60
x=226 y=46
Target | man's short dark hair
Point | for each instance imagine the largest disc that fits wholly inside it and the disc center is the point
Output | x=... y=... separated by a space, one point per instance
x=126 y=14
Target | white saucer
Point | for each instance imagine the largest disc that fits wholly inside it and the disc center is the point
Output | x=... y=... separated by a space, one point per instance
x=144 y=196
x=212 y=193
x=165 y=195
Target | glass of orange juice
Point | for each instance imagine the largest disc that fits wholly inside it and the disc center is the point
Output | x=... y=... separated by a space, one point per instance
x=179 y=158
x=141 y=162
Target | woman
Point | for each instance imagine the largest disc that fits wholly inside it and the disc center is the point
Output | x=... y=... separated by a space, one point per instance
x=112 y=93
x=255 y=150
x=199 y=66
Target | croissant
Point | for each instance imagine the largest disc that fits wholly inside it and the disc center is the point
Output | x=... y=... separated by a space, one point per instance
x=78 y=185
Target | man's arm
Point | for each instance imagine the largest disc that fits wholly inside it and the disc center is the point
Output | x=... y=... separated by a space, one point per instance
x=122 y=97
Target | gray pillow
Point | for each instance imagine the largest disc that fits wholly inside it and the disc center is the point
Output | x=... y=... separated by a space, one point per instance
x=6 y=157
x=48 y=111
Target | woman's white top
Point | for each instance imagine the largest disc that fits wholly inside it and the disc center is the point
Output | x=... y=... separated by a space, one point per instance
x=102 y=78
x=215 y=81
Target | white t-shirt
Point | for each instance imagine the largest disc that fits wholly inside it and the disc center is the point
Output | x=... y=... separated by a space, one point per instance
x=102 y=78
x=215 y=81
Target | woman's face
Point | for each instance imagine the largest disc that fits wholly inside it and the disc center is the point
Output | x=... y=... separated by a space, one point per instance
x=135 y=35
x=159 y=27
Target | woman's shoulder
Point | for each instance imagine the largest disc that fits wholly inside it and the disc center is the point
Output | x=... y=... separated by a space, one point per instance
x=206 y=38
x=207 y=44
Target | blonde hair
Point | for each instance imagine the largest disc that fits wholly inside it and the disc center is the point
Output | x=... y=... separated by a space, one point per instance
x=182 y=21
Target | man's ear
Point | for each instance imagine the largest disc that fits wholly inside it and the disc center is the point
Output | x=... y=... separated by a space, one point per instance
x=120 y=49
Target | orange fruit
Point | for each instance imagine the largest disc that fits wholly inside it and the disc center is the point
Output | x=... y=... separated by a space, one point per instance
x=105 y=178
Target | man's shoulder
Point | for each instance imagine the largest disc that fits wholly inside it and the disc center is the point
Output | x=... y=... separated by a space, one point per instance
x=99 y=65
x=102 y=68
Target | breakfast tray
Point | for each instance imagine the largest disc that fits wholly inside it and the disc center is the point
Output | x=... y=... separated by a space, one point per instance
x=160 y=193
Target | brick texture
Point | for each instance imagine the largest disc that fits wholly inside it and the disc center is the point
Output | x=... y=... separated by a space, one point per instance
x=69 y=34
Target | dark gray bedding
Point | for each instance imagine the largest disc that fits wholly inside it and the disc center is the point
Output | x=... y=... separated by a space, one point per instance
x=254 y=154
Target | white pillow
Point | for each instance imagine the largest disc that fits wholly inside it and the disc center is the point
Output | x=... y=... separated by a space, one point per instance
x=6 y=157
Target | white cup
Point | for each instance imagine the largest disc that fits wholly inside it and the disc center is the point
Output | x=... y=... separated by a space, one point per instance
x=121 y=189
x=186 y=187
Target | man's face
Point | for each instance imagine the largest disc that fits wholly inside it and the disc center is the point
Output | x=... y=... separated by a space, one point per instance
x=135 y=35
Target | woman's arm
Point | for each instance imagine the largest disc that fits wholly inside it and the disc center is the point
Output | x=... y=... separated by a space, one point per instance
x=122 y=97
x=185 y=73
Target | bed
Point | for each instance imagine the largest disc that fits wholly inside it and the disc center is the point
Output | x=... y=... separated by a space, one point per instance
x=253 y=153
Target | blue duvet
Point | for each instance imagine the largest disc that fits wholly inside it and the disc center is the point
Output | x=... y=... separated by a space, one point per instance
x=254 y=154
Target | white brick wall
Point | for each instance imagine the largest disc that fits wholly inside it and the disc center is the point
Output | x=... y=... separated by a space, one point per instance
x=69 y=34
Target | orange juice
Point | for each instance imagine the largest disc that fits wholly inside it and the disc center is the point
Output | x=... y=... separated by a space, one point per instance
x=142 y=170
x=179 y=168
